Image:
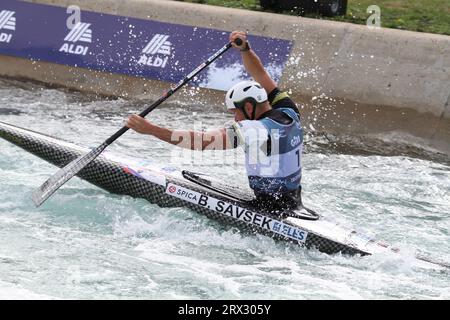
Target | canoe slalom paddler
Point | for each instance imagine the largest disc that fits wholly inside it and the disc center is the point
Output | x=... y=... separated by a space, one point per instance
x=267 y=125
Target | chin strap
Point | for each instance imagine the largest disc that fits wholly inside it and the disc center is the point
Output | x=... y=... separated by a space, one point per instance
x=254 y=111
x=245 y=114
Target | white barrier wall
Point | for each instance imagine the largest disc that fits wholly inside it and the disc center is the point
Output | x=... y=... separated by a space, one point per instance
x=350 y=78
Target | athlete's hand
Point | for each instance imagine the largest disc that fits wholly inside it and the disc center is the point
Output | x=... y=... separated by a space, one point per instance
x=139 y=124
x=241 y=35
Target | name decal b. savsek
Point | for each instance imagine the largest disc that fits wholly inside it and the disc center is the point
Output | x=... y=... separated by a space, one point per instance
x=237 y=212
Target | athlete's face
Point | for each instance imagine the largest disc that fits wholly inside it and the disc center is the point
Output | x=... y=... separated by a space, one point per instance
x=239 y=115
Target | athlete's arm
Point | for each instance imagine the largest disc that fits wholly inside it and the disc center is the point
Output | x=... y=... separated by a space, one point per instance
x=252 y=63
x=216 y=139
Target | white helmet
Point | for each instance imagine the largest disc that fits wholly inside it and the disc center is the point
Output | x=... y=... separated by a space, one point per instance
x=245 y=91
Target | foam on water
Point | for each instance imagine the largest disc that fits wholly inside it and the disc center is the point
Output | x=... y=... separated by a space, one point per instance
x=85 y=243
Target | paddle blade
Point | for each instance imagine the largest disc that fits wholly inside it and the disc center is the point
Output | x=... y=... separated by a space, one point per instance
x=50 y=186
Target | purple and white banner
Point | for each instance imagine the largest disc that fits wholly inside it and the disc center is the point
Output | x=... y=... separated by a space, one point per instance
x=136 y=47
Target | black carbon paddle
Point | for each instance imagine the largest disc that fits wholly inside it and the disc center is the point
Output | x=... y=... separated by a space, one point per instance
x=50 y=186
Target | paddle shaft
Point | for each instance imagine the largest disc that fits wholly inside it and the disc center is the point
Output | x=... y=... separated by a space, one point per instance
x=180 y=84
x=65 y=174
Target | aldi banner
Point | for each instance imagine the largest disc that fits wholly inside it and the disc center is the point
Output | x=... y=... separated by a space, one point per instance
x=130 y=46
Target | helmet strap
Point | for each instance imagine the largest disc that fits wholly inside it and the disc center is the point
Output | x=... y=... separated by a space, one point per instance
x=254 y=110
x=242 y=108
x=245 y=114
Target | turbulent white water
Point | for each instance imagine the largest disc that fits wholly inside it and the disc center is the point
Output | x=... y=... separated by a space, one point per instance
x=85 y=243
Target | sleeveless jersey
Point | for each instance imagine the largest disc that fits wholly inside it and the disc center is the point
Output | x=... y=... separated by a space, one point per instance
x=272 y=153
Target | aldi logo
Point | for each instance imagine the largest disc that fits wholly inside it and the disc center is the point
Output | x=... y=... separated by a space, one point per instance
x=156 y=53
x=7 y=22
x=158 y=44
x=81 y=32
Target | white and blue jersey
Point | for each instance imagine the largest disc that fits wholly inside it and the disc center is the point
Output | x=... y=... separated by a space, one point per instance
x=273 y=148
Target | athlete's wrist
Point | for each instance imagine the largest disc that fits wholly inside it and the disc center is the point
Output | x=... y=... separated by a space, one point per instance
x=246 y=47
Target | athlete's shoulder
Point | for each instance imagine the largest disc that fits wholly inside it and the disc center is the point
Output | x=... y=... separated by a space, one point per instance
x=280 y=99
x=246 y=125
x=247 y=132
